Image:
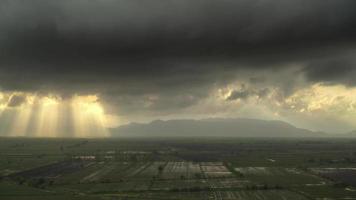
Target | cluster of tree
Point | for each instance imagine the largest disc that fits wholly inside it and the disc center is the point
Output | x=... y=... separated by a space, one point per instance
x=230 y=167
x=77 y=145
x=190 y=189
x=326 y=161
x=35 y=182
x=263 y=187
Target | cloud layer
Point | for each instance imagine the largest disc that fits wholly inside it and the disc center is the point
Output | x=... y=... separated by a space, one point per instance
x=148 y=59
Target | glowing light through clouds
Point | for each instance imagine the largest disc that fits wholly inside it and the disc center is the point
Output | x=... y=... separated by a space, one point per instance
x=25 y=114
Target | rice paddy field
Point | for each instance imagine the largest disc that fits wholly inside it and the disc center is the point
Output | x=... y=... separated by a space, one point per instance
x=186 y=169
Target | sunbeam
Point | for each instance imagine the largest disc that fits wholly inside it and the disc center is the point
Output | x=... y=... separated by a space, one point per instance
x=89 y=117
x=48 y=117
x=51 y=116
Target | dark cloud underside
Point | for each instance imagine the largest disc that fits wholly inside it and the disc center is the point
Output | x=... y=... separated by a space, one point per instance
x=137 y=47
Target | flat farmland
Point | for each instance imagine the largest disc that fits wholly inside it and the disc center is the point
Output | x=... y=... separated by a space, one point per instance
x=215 y=170
x=345 y=176
x=177 y=169
x=279 y=176
x=181 y=170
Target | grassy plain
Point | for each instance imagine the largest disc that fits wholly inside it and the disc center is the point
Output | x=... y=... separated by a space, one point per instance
x=181 y=168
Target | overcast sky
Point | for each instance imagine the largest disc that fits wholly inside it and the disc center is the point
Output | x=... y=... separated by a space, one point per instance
x=291 y=60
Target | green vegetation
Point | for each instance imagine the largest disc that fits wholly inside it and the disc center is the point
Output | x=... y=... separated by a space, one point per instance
x=187 y=169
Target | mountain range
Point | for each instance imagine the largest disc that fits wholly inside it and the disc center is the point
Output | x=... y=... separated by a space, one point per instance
x=214 y=127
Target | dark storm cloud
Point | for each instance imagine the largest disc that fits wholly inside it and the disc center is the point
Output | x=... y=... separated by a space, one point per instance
x=244 y=93
x=256 y=80
x=336 y=70
x=238 y=95
x=174 y=47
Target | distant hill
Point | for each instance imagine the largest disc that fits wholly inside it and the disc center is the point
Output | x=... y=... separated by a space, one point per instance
x=216 y=127
x=350 y=134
